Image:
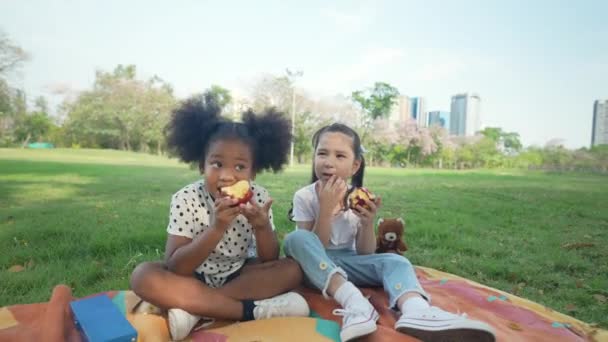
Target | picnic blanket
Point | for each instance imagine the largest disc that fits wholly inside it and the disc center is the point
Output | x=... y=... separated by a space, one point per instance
x=513 y=318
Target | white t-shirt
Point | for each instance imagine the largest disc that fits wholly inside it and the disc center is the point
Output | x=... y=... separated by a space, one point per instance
x=343 y=226
x=192 y=211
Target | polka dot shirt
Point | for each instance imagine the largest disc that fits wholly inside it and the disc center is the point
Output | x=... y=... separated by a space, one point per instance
x=192 y=211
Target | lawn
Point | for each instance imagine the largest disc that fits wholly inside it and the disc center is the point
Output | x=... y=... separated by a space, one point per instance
x=87 y=217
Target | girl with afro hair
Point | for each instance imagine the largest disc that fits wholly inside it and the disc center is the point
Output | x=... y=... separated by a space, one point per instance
x=222 y=256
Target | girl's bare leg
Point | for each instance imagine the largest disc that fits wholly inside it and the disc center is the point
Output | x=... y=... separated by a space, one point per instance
x=264 y=280
x=157 y=285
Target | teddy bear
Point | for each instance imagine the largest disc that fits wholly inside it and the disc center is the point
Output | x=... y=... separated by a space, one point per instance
x=390 y=234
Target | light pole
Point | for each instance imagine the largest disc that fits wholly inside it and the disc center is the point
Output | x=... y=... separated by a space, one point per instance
x=292 y=78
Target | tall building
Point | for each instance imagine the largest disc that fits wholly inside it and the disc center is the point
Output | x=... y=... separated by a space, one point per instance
x=418 y=111
x=465 y=117
x=400 y=110
x=439 y=118
x=599 y=130
x=409 y=107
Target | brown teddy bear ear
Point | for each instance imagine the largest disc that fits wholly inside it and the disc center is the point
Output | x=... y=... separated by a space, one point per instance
x=401 y=220
x=380 y=220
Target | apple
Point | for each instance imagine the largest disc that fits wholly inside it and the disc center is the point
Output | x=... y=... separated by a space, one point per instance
x=241 y=191
x=358 y=197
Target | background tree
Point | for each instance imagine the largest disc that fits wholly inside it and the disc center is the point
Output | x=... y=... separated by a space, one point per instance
x=221 y=95
x=376 y=104
x=12 y=56
x=511 y=142
x=120 y=112
x=377 y=101
x=272 y=91
x=12 y=101
x=34 y=126
x=306 y=125
x=507 y=141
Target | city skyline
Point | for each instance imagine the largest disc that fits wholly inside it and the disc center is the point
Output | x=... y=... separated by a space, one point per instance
x=510 y=56
x=599 y=130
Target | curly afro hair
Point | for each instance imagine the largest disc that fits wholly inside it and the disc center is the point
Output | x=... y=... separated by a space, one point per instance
x=198 y=123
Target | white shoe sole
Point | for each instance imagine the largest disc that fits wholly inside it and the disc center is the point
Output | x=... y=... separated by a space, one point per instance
x=471 y=331
x=360 y=329
x=176 y=328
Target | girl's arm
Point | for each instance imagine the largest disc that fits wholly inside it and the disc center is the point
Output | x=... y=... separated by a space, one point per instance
x=331 y=194
x=366 y=237
x=267 y=244
x=183 y=255
x=322 y=226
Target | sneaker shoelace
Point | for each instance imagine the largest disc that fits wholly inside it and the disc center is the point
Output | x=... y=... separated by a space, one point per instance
x=348 y=312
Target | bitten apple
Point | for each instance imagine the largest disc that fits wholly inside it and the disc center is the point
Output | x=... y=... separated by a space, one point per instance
x=241 y=191
x=358 y=197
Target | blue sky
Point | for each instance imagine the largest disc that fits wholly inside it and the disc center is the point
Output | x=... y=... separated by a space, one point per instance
x=538 y=67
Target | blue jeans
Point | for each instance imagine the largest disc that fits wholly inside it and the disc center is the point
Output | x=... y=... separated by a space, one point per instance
x=393 y=272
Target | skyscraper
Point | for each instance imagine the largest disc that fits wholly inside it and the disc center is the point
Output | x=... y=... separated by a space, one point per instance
x=439 y=118
x=400 y=110
x=418 y=111
x=599 y=130
x=465 y=114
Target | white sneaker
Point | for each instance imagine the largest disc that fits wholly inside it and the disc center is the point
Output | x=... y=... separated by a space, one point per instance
x=434 y=324
x=286 y=305
x=182 y=322
x=359 y=320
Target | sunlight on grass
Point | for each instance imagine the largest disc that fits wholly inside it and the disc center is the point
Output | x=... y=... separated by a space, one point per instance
x=66 y=178
x=30 y=188
x=87 y=156
x=29 y=194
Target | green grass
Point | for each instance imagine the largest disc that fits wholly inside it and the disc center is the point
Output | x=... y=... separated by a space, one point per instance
x=87 y=217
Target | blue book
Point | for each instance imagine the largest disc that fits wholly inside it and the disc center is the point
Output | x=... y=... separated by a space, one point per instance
x=98 y=319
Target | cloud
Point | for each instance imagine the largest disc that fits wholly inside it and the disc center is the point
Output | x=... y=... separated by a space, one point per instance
x=369 y=62
x=439 y=70
x=436 y=64
x=350 y=22
x=345 y=21
x=362 y=68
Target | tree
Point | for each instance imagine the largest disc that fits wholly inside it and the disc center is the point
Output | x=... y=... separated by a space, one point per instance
x=306 y=124
x=12 y=103
x=12 y=56
x=6 y=113
x=511 y=142
x=34 y=126
x=221 y=95
x=377 y=101
x=507 y=141
x=310 y=114
x=485 y=153
x=120 y=112
x=492 y=133
x=272 y=91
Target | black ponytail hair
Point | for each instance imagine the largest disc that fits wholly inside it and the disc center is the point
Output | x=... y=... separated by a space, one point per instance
x=197 y=124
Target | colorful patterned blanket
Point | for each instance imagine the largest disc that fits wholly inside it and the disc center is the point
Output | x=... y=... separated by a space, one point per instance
x=513 y=318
